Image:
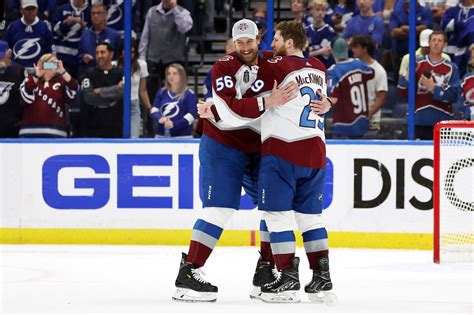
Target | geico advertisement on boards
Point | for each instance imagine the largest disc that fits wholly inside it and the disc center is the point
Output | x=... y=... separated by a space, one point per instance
x=368 y=187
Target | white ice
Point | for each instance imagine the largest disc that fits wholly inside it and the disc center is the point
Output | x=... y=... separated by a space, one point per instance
x=140 y=279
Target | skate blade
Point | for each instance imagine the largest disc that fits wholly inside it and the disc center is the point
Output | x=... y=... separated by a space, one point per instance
x=282 y=297
x=256 y=293
x=322 y=297
x=191 y=296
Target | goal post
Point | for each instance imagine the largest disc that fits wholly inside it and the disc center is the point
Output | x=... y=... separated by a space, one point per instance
x=453 y=191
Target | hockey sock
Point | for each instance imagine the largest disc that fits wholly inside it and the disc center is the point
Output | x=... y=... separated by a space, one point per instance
x=265 y=247
x=203 y=240
x=283 y=247
x=316 y=245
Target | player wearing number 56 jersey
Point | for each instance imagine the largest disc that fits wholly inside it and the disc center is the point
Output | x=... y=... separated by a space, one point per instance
x=348 y=87
x=292 y=167
x=229 y=157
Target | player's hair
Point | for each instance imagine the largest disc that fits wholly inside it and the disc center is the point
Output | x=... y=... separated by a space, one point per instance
x=293 y=30
x=184 y=80
x=364 y=41
x=322 y=3
x=439 y=33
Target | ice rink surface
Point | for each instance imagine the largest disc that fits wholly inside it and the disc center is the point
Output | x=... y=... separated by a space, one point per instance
x=140 y=279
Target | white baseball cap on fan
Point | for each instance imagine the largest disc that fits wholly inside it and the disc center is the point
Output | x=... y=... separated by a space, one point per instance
x=244 y=28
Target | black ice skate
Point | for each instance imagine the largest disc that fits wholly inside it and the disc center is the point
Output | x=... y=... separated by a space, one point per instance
x=320 y=285
x=264 y=273
x=191 y=287
x=285 y=288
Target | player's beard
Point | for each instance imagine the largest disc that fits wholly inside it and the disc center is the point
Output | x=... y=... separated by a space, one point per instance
x=248 y=58
x=281 y=51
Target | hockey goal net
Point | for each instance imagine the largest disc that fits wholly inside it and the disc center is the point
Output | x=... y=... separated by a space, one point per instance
x=453 y=191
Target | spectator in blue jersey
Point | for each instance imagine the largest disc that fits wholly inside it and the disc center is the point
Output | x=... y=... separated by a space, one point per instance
x=458 y=23
x=174 y=107
x=366 y=23
x=46 y=8
x=116 y=15
x=69 y=22
x=163 y=40
x=299 y=10
x=399 y=27
x=339 y=12
x=438 y=7
x=320 y=34
x=29 y=37
x=260 y=19
x=438 y=87
x=98 y=33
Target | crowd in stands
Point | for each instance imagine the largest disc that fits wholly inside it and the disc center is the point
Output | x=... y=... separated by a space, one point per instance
x=58 y=55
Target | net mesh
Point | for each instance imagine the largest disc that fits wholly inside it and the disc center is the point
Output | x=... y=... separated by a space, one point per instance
x=456 y=208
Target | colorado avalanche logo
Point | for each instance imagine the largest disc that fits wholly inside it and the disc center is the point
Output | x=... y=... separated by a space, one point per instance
x=5 y=88
x=226 y=58
x=275 y=59
x=243 y=26
x=27 y=48
x=170 y=109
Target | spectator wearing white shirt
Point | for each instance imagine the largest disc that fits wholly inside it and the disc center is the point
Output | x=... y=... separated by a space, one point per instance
x=139 y=94
x=363 y=47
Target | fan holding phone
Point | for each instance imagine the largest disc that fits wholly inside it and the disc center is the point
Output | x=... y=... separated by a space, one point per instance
x=49 y=66
x=46 y=93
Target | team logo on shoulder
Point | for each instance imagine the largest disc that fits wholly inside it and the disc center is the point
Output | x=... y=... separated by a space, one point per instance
x=275 y=59
x=226 y=58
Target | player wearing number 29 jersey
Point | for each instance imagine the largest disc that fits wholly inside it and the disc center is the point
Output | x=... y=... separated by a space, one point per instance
x=292 y=131
x=292 y=167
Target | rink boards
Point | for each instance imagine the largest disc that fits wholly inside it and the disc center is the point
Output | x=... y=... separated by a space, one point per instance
x=377 y=194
